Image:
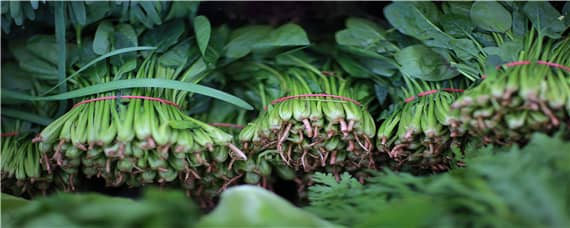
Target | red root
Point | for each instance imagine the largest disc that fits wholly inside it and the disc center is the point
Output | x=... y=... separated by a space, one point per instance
x=350 y=146
x=289 y=154
x=350 y=125
x=308 y=128
x=38 y=138
x=150 y=143
x=322 y=157
x=231 y=163
x=549 y=113
x=285 y=133
x=303 y=160
x=121 y=150
x=333 y=158
x=162 y=170
x=395 y=151
x=108 y=165
x=46 y=161
x=343 y=127
x=360 y=143
x=229 y=182
x=81 y=147
x=316 y=132
x=237 y=151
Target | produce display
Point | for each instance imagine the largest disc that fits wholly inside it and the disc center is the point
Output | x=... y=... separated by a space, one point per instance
x=401 y=114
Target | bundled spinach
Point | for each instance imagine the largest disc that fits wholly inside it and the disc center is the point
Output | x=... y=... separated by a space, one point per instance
x=315 y=122
x=415 y=131
x=528 y=94
x=21 y=167
x=146 y=138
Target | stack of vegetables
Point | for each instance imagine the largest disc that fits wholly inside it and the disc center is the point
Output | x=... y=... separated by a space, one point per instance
x=141 y=136
x=526 y=93
x=310 y=121
x=415 y=130
x=20 y=167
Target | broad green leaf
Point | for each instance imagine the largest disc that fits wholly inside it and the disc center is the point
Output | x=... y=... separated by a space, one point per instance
x=380 y=67
x=352 y=67
x=285 y=35
x=202 y=29
x=180 y=9
x=151 y=9
x=124 y=37
x=176 y=56
x=251 y=206
x=360 y=32
x=491 y=16
x=457 y=25
x=164 y=36
x=102 y=41
x=43 y=47
x=28 y=62
x=509 y=50
x=457 y=8
x=421 y=62
x=133 y=83
x=77 y=12
x=243 y=39
x=545 y=19
x=465 y=49
x=416 y=20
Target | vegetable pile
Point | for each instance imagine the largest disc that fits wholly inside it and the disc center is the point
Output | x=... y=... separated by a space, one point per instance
x=445 y=98
x=314 y=134
x=530 y=95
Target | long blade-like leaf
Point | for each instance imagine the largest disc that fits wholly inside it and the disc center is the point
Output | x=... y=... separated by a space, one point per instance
x=133 y=83
x=94 y=61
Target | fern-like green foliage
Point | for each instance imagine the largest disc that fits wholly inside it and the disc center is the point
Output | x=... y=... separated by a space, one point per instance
x=499 y=187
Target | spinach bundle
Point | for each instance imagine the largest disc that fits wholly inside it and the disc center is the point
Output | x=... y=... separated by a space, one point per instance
x=416 y=134
x=529 y=95
x=21 y=167
x=142 y=135
x=317 y=124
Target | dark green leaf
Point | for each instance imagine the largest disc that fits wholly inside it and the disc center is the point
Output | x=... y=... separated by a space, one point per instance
x=415 y=19
x=285 y=35
x=457 y=25
x=164 y=36
x=545 y=19
x=421 y=62
x=202 y=29
x=243 y=39
x=102 y=41
x=465 y=49
x=133 y=83
x=491 y=16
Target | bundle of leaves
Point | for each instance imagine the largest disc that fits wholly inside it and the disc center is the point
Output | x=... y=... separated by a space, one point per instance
x=317 y=123
x=156 y=208
x=500 y=187
x=416 y=134
x=314 y=134
x=21 y=172
x=530 y=95
x=142 y=135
